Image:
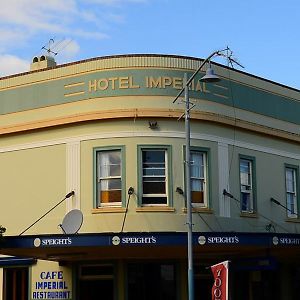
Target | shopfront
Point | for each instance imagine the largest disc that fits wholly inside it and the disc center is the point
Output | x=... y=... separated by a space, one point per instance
x=153 y=265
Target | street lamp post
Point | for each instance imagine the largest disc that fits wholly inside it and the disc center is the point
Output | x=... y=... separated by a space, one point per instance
x=209 y=77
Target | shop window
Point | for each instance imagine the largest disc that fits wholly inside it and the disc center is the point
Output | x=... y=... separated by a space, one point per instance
x=109 y=176
x=154 y=169
x=99 y=271
x=15 y=284
x=291 y=191
x=199 y=184
x=96 y=282
x=247 y=184
x=150 y=281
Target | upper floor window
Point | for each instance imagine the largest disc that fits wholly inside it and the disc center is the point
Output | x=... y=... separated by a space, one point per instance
x=247 y=185
x=154 y=176
x=199 y=187
x=291 y=191
x=109 y=177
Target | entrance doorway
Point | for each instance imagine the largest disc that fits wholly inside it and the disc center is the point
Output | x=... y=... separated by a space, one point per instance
x=96 y=282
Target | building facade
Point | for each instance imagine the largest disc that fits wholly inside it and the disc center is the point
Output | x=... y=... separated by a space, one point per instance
x=104 y=138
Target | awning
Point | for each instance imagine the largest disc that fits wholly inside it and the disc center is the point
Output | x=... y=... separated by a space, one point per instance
x=9 y=261
x=61 y=247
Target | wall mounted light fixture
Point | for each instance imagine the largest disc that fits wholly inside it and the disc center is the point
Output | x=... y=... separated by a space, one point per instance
x=153 y=124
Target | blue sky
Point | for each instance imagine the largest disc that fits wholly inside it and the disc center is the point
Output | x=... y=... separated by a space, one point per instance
x=264 y=35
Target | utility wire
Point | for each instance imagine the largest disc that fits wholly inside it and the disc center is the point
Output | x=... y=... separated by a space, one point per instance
x=225 y=193
x=66 y=197
x=204 y=221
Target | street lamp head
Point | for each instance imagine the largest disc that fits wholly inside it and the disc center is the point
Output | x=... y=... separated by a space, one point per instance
x=210 y=76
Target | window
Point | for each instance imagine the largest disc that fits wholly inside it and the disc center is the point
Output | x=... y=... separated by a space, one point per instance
x=247 y=185
x=154 y=176
x=151 y=281
x=109 y=177
x=96 y=278
x=198 y=178
x=15 y=283
x=291 y=191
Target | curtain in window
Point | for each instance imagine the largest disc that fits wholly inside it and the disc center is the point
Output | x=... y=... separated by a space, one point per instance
x=109 y=176
x=290 y=189
x=104 y=170
x=197 y=171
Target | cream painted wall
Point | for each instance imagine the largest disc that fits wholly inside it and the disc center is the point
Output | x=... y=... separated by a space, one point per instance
x=42 y=170
x=47 y=272
x=34 y=181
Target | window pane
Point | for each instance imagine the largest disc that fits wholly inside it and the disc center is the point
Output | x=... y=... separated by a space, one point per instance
x=245 y=173
x=291 y=188
x=152 y=171
x=155 y=200
x=291 y=203
x=245 y=202
x=155 y=187
x=196 y=185
x=197 y=197
x=246 y=185
x=197 y=165
x=154 y=176
x=198 y=177
x=109 y=183
x=110 y=196
x=153 y=156
x=110 y=163
x=151 y=281
x=290 y=180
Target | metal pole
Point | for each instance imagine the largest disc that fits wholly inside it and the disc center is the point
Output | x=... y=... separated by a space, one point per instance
x=188 y=191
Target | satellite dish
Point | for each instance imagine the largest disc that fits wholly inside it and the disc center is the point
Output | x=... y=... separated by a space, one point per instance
x=72 y=221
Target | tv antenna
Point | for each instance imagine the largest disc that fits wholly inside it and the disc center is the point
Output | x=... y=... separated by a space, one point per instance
x=47 y=47
x=53 y=47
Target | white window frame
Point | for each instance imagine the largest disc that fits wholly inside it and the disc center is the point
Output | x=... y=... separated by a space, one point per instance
x=165 y=195
x=203 y=179
x=292 y=208
x=99 y=202
x=247 y=189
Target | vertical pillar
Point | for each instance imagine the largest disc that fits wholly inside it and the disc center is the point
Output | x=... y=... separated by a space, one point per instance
x=223 y=166
x=1 y=283
x=73 y=174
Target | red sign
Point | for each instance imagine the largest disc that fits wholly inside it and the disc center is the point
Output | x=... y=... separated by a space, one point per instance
x=219 y=290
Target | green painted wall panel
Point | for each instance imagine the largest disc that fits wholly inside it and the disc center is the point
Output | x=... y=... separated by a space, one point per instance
x=165 y=82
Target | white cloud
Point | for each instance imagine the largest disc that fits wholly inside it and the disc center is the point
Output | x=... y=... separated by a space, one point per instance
x=11 y=64
x=36 y=15
x=11 y=38
x=23 y=19
x=26 y=24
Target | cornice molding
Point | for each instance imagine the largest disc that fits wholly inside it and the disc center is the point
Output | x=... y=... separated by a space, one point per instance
x=144 y=113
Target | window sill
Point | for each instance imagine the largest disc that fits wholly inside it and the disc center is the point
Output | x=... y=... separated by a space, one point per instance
x=249 y=215
x=293 y=220
x=155 y=209
x=205 y=210
x=101 y=210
